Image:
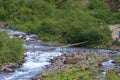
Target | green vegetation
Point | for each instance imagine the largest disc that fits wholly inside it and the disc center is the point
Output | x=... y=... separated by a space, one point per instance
x=11 y=49
x=111 y=75
x=77 y=74
x=57 y=20
x=80 y=20
x=70 y=74
x=117 y=58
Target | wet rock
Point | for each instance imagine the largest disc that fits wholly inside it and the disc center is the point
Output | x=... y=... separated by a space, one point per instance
x=118 y=74
x=9 y=67
x=34 y=36
x=8 y=70
x=113 y=61
x=117 y=49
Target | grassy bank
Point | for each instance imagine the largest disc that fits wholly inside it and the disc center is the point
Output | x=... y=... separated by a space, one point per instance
x=78 y=74
x=66 y=21
x=70 y=74
x=11 y=49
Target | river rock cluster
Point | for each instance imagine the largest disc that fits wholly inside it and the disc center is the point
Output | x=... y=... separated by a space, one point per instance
x=76 y=58
x=8 y=67
x=4 y=25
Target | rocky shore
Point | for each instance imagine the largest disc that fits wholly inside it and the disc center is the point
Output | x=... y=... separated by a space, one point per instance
x=10 y=67
x=84 y=60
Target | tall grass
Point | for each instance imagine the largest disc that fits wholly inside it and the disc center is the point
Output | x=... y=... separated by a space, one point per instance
x=112 y=75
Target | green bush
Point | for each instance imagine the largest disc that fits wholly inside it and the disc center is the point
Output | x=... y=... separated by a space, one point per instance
x=96 y=4
x=49 y=18
x=11 y=49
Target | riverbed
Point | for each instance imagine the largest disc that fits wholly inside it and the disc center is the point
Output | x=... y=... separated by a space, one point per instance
x=38 y=57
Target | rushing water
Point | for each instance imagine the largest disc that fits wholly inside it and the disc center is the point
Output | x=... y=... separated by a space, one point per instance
x=37 y=56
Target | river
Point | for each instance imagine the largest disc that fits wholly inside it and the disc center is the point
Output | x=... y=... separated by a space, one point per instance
x=37 y=57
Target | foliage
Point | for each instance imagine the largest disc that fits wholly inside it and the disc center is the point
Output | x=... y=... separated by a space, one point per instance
x=50 y=18
x=11 y=49
x=69 y=74
x=117 y=59
x=111 y=75
x=100 y=10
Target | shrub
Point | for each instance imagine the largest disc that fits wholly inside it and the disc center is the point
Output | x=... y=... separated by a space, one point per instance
x=49 y=18
x=11 y=49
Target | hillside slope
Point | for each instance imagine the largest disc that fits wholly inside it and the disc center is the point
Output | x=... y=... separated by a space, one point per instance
x=66 y=21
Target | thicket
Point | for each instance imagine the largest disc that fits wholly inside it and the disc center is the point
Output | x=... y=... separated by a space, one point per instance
x=61 y=20
x=11 y=49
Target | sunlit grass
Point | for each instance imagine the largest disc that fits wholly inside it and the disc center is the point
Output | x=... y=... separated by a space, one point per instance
x=112 y=75
x=69 y=74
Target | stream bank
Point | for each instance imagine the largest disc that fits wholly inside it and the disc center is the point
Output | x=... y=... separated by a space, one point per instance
x=96 y=62
x=38 y=58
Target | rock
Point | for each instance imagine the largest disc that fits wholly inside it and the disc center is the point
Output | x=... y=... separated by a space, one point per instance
x=54 y=75
x=98 y=64
x=72 y=61
x=9 y=70
x=84 y=68
x=113 y=61
x=4 y=25
x=9 y=67
x=79 y=59
x=118 y=74
x=112 y=55
x=51 y=44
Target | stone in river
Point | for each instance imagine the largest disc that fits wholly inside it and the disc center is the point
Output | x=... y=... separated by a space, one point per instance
x=72 y=61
